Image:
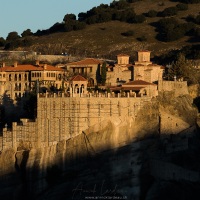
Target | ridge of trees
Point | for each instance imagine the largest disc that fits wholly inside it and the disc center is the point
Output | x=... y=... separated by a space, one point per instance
x=121 y=10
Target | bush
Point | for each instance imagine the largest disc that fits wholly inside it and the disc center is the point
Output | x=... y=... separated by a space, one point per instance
x=190 y=18
x=190 y=1
x=128 y=33
x=197 y=19
x=142 y=39
x=175 y=34
x=170 y=29
x=197 y=32
x=139 y=19
x=152 y=13
x=182 y=6
x=197 y=103
x=2 y=42
x=171 y=11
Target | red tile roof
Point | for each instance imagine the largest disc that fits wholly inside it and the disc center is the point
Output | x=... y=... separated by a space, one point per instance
x=29 y=68
x=132 y=88
x=78 y=78
x=19 y=68
x=87 y=61
x=126 y=88
x=50 y=68
x=138 y=82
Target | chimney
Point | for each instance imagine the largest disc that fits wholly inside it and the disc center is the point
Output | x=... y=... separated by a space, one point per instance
x=37 y=62
x=15 y=64
x=3 y=64
x=45 y=66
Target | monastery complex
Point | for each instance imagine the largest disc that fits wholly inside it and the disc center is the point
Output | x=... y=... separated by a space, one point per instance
x=69 y=105
x=76 y=78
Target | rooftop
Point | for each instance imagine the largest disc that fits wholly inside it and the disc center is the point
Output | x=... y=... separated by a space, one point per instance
x=78 y=78
x=26 y=67
x=87 y=61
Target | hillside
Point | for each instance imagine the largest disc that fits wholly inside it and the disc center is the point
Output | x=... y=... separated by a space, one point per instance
x=107 y=39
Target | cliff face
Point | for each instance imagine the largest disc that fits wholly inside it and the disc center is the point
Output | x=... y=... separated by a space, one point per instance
x=109 y=157
x=176 y=114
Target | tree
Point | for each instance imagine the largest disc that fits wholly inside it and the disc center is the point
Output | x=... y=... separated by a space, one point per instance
x=12 y=36
x=68 y=17
x=182 y=68
x=30 y=105
x=170 y=11
x=182 y=6
x=26 y=33
x=103 y=73
x=152 y=13
x=98 y=74
x=2 y=42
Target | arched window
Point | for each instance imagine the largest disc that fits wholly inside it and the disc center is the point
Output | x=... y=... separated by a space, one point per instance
x=16 y=87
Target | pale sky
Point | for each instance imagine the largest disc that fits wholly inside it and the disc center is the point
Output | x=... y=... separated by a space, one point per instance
x=19 y=15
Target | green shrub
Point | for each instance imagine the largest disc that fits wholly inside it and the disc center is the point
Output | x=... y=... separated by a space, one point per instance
x=152 y=13
x=171 y=11
x=139 y=19
x=128 y=33
x=142 y=39
x=182 y=6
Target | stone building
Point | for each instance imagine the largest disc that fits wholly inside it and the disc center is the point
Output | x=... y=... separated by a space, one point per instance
x=137 y=88
x=87 y=67
x=145 y=70
x=78 y=86
x=120 y=72
x=18 y=79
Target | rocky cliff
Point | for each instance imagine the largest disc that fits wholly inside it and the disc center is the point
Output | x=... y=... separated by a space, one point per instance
x=106 y=160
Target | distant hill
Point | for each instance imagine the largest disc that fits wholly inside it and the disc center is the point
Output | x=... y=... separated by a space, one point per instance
x=159 y=26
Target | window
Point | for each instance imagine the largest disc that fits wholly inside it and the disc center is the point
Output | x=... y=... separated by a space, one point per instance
x=25 y=77
x=15 y=77
x=16 y=87
x=90 y=69
x=10 y=77
x=33 y=74
x=20 y=77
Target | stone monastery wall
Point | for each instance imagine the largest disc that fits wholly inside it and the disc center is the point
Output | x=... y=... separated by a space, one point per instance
x=60 y=118
x=179 y=87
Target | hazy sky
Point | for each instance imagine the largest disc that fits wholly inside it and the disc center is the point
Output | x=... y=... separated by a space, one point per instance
x=19 y=15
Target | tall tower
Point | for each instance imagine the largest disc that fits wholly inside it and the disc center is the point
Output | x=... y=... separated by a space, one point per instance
x=144 y=56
